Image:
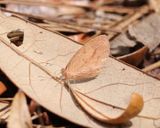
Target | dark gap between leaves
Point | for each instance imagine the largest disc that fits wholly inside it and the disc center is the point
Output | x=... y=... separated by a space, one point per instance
x=11 y=88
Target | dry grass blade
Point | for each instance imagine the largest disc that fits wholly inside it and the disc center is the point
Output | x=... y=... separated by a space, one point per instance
x=88 y=61
x=96 y=109
x=19 y=116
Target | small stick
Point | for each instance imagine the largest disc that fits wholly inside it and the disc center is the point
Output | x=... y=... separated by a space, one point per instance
x=31 y=3
x=6 y=99
x=156 y=52
x=37 y=116
x=116 y=9
x=151 y=67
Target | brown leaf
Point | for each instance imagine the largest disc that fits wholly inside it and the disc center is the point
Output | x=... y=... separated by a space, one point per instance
x=19 y=116
x=33 y=106
x=89 y=60
x=80 y=37
x=2 y=88
x=136 y=57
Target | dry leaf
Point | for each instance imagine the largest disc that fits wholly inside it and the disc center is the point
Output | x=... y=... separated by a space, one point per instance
x=96 y=108
x=38 y=63
x=147 y=31
x=144 y=32
x=33 y=106
x=81 y=37
x=19 y=116
x=2 y=88
x=136 y=57
x=4 y=110
x=89 y=60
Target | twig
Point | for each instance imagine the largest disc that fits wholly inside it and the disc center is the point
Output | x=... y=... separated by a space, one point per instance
x=37 y=116
x=6 y=99
x=31 y=2
x=115 y=9
x=156 y=52
x=151 y=67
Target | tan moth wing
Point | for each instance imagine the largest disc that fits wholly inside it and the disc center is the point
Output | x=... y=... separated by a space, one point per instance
x=88 y=61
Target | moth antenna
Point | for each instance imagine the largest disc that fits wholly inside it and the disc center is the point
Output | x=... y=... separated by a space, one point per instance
x=67 y=85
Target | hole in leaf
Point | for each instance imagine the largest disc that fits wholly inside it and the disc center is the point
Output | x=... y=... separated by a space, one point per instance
x=16 y=37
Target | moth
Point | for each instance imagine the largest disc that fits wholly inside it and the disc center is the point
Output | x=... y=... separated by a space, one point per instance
x=88 y=61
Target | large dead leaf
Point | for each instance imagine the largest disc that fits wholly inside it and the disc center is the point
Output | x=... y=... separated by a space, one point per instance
x=35 y=65
x=147 y=31
x=144 y=32
x=19 y=116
